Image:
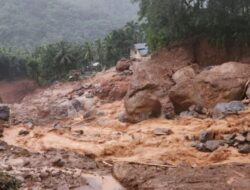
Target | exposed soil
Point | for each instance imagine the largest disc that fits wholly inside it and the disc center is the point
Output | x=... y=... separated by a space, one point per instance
x=15 y=91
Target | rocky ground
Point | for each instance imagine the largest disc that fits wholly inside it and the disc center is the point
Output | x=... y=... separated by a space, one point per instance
x=125 y=125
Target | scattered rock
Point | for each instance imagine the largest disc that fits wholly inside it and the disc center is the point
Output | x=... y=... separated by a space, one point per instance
x=205 y=136
x=58 y=162
x=78 y=132
x=212 y=145
x=4 y=112
x=229 y=139
x=30 y=125
x=244 y=149
x=2 y=148
x=189 y=114
x=123 y=118
x=76 y=104
x=162 y=131
x=223 y=109
x=23 y=133
x=123 y=65
x=240 y=138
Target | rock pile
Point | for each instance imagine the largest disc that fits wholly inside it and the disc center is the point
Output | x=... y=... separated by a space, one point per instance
x=169 y=88
x=207 y=142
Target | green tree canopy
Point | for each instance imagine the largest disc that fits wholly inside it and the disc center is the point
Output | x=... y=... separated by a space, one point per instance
x=226 y=21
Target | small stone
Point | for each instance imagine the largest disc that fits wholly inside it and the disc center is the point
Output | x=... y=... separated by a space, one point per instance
x=122 y=118
x=30 y=125
x=100 y=113
x=44 y=175
x=23 y=133
x=162 y=131
x=205 y=136
x=58 y=163
x=55 y=173
x=199 y=146
x=4 y=112
x=212 y=145
x=78 y=132
x=244 y=149
x=77 y=105
x=2 y=148
x=229 y=139
x=240 y=138
x=189 y=114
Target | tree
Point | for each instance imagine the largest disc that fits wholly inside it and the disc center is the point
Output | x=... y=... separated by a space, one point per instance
x=225 y=21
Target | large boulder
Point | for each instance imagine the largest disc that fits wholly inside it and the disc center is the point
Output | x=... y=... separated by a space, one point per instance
x=223 y=109
x=184 y=74
x=216 y=84
x=149 y=86
x=123 y=65
x=113 y=89
x=141 y=106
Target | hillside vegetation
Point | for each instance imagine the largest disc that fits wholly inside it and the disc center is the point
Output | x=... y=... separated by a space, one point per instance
x=225 y=22
x=29 y=23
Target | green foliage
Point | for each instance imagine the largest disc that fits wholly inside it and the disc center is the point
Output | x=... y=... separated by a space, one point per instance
x=12 y=64
x=52 y=62
x=8 y=183
x=225 y=21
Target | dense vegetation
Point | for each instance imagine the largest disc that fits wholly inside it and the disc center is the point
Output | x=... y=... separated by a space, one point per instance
x=52 y=62
x=226 y=22
x=31 y=23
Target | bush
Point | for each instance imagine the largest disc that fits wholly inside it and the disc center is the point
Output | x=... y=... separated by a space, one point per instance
x=8 y=182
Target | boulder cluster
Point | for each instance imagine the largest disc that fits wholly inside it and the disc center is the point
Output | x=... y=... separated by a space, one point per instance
x=173 y=88
x=208 y=142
